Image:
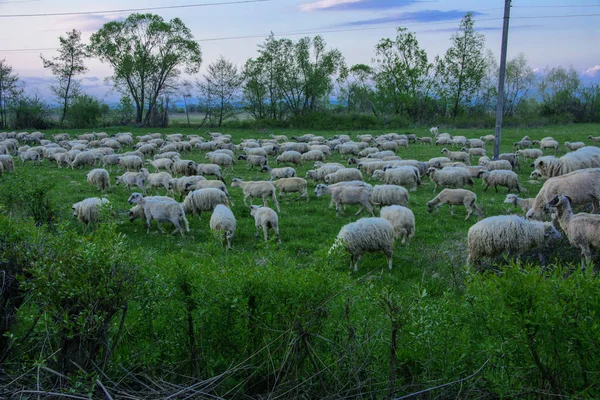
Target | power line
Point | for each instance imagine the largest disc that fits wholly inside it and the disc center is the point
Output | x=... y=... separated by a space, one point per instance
x=62 y=14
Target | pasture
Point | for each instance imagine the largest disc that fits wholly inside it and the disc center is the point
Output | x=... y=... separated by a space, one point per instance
x=295 y=287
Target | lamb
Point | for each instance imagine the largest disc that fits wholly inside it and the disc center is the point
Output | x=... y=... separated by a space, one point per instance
x=434 y=130
x=258 y=161
x=160 y=179
x=83 y=158
x=162 y=163
x=388 y=145
x=254 y=189
x=223 y=220
x=131 y=163
x=290 y=156
x=8 y=163
x=450 y=177
x=88 y=209
x=582 y=187
x=179 y=185
x=369 y=150
x=436 y=162
x=313 y=155
x=130 y=179
x=496 y=178
x=402 y=220
x=343 y=175
x=387 y=195
x=172 y=155
x=474 y=151
x=493 y=236
x=574 y=145
x=162 y=211
x=495 y=165
x=524 y=204
x=265 y=218
x=99 y=177
x=277 y=173
x=279 y=138
x=529 y=153
x=583 y=230
x=366 y=235
x=185 y=167
x=204 y=200
x=454 y=197
x=347 y=195
x=292 y=185
x=406 y=175
x=488 y=138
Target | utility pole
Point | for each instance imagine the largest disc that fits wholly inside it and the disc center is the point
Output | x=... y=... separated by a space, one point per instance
x=500 y=102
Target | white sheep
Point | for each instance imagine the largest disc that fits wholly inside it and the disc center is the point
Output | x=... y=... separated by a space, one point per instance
x=594 y=139
x=343 y=175
x=474 y=151
x=583 y=230
x=204 y=200
x=179 y=185
x=386 y=195
x=587 y=157
x=254 y=161
x=455 y=177
x=547 y=143
x=88 y=209
x=99 y=177
x=162 y=163
x=348 y=148
x=381 y=154
x=131 y=163
x=8 y=163
x=508 y=179
x=523 y=204
x=157 y=180
x=83 y=158
x=529 y=153
x=130 y=179
x=277 y=173
x=495 y=165
x=203 y=184
x=522 y=144
x=161 y=210
x=406 y=175
x=476 y=143
x=184 y=167
x=223 y=220
x=221 y=159
x=290 y=156
x=510 y=234
x=402 y=220
x=434 y=130
x=455 y=197
x=292 y=185
x=313 y=155
x=366 y=235
x=572 y=146
x=512 y=158
x=342 y=195
x=252 y=189
x=265 y=218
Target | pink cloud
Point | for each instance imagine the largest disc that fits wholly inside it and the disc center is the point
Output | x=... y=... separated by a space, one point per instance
x=594 y=71
x=324 y=4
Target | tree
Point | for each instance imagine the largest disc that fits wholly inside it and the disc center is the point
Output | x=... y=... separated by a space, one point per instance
x=221 y=83
x=559 y=88
x=66 y=66
x=358 y=92
x=464 y=63
x=9 y=91
x=256 y=90
x=520 y=79
x=401 y=70
x=147 y=55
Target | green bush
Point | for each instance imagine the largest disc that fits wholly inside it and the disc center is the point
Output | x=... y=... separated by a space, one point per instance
x=85 y=112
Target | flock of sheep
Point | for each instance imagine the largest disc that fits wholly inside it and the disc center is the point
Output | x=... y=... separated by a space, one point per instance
x=571 y=180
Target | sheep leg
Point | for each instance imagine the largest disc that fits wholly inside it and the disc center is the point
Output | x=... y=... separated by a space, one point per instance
x=256 y=233
x=160 y=228
x=451 y=210
x=486 y=188
x=246 y=197
x=469 y=211
x=587 y=255
x=362 y=208
x=496 y=187
x=370 y=208
x=266 y=231
x=389 y=253
x=596 y=206
x=338 y=209
x=274 y=195
x=305 y=194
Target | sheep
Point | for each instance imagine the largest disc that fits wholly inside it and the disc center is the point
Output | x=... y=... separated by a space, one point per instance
x=277 y=173
x=421 y=166
x=476 y=143
x=99 y=177
x=459 y=141
x=450 y=177
x=222 y=219
x=221 y=159
x=370 y=167
x=204 y=200
x=203 y=184
x=366 y=235
x=388 y=145
x=344 y=174
x=495 y=165
x=425 y=140
x=185 y=167
x=347 y=195
x=454 y=197
x=179 y=185
x=434 y=130
x=587 y=157
x=594 y=139
x=522 y=144
x=496 y=178
x=583 y=230
x=83 y=158
x=64 y=159
x=256 y=152
x=130 y=179
x=172 y=155
x=387 y=195
x=474 y=151
x=161 y=210
x=436 y=162
x=259 y=161
x=265 y=218
x=292 y=185
x=160 y=179
x=402 y=220
x=381 y=154
x=252 y=189
x=574 y=145
x=209 y=169
x=547 y=143
x=488 y=138
x=231 y=154
x=88 y=209
x=131 y=163
x=369 y=150
x=162 y=163
x=290 y=156
x=313 y=155
x=529 y=153
x=457 y=156
x=348 y=148
x=279 y=138
x=8 y=163
x=524 y=204
x=493 y=236
x=512 y=158
x=582 y=187
x=405 y=175
x=443 y=141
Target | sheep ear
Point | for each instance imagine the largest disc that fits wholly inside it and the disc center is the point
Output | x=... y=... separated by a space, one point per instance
x=555 y=201
x=568 y=198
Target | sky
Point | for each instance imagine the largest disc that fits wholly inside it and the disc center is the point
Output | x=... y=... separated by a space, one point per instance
x=546 y=31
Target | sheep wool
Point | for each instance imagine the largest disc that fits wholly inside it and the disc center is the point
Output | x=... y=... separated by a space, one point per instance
x=265 y=218
x=402 y=220
x=204 y=200
x=88 y=209
x=100 y=178
x=223 y=220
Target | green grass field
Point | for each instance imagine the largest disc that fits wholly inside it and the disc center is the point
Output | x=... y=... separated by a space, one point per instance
x=431 y=266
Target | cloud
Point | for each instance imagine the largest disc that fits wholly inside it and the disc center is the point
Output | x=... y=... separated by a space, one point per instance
x=355 y=5
x=480 y=28
x=593 y=72
x=416 y=16
x=91 y=78
x=85 y=23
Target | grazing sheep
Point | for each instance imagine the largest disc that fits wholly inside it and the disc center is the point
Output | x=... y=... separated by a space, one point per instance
x=343 y=175
x=313 y=155
x=523 y=144
x=185 y=167
x=277 y=173
x=341 y=195
x=130 y=179
x=547 y=143
x=402 y=220
x=348 y=148
x=582 y=187
x=290 y=156
x=88 y=209
x=223 y=220
x=391 y=145
x=157 y=180
x=583 y=230
x=161 y=210
x=456 y=197
x=209 y=169
x=405 y=175
x=292 y=185
x=594 y=139
x=162 y=163
x=572 y=146
x=476 y=143
x=366 y=235
x=83 y=158
x=265 y=218
x=204 y=200
x=512 y=158
x=221 y=159
x=381 y=154
x=365 y=152
x=502 y=165
x=203 y=184
x=437 y=162
x=510 y=234
x=131 y=163
x=64 y=159
x=529 y=153
x=421 y=166
x=99 y=178
x=387 y=195
x=179 y=185
x=450 y=177
x=258 y=161
x=434 y=130
x=488 y=138
x=474 y=151
x=8 y=163
x=524 y=204
x=496 y=178
x=370 y=167
x=172 y=155
x=425 y=140
x=254 y=189
x=259 y=151
x=587 y=157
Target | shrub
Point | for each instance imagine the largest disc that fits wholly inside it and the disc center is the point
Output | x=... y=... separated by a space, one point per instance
x=85 y=112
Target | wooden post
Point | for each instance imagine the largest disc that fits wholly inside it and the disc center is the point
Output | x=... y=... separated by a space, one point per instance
x=500 y=103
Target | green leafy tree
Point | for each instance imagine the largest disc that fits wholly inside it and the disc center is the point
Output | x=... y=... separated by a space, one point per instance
x=520 y=80
x=358 y=92
x=9 y=91
x=85 y=112
x=222 y=83
x=65 y=67
x=558 y=89
x=256 y=90
x=126 y=110
x=464 y=64
x=147 y=55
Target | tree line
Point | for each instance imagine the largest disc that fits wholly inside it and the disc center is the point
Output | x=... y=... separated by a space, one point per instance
x=155 y=64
